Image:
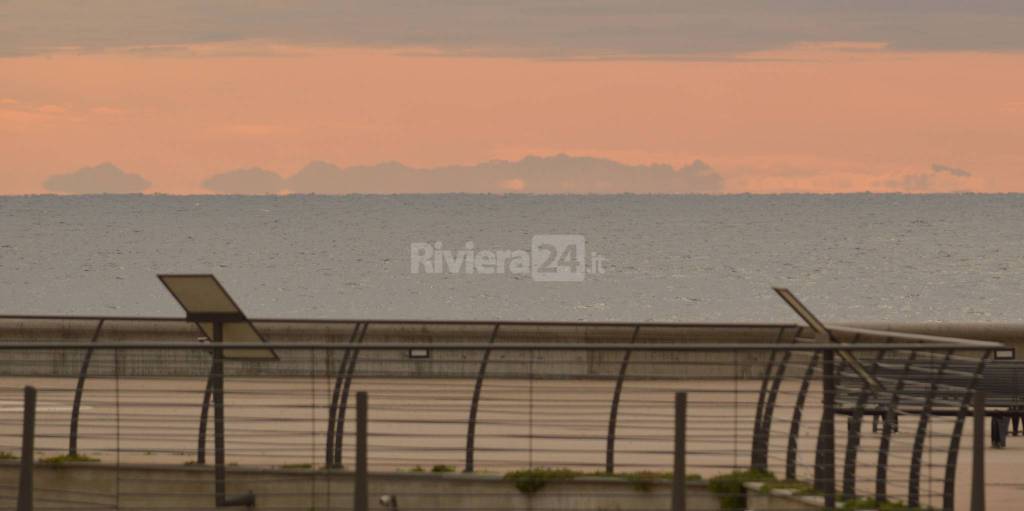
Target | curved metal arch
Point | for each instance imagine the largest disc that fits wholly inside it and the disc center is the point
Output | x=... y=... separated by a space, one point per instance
x=948 y=485
x=475 y=404
x=882 y=467
x=766 y=405
x=609 y=459
x=853 y=431
x=335 y=396
x=339 y=432
x=914 y=484
x=79 y=390
x=204 y=416
x=825 y=449
x=798 y=411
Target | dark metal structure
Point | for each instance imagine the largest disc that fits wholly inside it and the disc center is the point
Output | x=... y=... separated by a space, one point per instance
x=819 y=371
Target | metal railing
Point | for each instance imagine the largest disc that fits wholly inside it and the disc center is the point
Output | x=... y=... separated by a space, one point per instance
x=461 y=418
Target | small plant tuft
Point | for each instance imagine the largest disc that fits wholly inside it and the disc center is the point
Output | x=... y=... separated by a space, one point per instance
x=4 y=455
x=531 y=481
x=442 y=469
x=864 y=504
x=797 y=487
x=68 y=458
x=729 y=487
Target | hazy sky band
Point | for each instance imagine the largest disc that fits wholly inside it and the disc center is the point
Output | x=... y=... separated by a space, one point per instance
x=917 y=96
x=532 y=28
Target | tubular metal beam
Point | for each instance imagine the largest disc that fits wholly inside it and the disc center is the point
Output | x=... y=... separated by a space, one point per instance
x=949 y=483
x=766 y=429
x=217 y=389
x=763 y=421
x=821 y=329
x=609 y=461
x=475 y=404
x=679 y=457
x=339 y=432
x=762 y=396
x=714 y=347
x=28 y=437
x=882 y=467
x=853 y=434
x=361 y=494
x=978 y=468
x=76 y=405
x=914 y=485
x=204 y=415
x=827 y=433
x=798 y=411
x=332 y=414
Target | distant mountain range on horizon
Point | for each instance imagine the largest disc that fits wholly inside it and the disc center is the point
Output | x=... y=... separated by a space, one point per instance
x=557 y=174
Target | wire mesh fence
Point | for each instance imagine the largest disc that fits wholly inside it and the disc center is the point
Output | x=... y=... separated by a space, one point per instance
x=487 y=416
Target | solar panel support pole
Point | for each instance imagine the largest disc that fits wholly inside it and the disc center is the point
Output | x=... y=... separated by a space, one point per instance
x=217 y=390
x=978 y=466
x=28 y=437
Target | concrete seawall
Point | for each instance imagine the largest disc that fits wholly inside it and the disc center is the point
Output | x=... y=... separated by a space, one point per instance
x=94 y=486
x=441 y=363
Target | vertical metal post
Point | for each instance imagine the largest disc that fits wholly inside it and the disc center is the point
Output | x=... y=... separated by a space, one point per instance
x=474 y=406
x=361 y=493
x=679 y=462
x=978 y=467
x=339 y=432
x=332 y=413
x=28 y=437
x=217 y=389
x=79 y=390
x=828 y=431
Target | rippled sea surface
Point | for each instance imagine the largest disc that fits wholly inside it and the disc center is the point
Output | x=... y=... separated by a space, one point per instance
x=668 y=258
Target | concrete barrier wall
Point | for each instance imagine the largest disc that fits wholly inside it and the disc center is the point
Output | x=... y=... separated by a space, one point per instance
x=94 y=486
x=461 y=363
x=447 y=363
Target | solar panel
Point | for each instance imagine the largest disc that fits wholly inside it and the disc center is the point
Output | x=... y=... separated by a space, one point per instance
x=206 y=302
x=821 y=329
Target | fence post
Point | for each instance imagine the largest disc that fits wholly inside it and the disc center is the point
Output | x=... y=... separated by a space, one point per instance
x=28 y=436
x=361 y=493
x=828 y=433
x=978 y=467
x=679 y=464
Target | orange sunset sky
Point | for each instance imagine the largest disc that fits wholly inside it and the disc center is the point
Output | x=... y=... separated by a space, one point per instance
x=928 y=98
